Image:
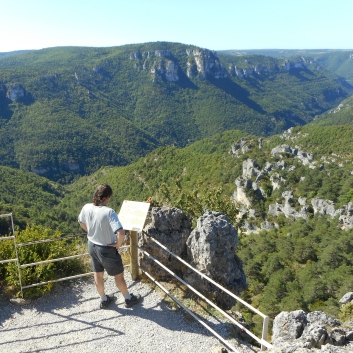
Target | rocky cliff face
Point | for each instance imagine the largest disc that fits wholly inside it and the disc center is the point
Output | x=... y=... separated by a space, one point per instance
x=202 y=64
x=159 y=63
x=16 y=92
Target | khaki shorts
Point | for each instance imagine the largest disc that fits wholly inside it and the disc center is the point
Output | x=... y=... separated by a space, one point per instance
x=105 y=258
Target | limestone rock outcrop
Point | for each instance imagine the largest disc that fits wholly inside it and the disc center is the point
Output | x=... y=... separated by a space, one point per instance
x=160 y=63
x=304 y=157
x=16 y=92
x=287 y=209
x=347 y=298
x=204 y=63
x=247 y=191
x=211 y=250
x=166 y=69
x=170 y=227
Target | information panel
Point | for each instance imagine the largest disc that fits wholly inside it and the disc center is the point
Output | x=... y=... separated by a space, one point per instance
x=133 y=215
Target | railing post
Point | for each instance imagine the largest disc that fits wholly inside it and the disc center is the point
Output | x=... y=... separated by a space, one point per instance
x=16 y=252
x=265 y=331
x=134 y=270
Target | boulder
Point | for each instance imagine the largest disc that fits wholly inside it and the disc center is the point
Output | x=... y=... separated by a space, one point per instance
x=171 y=227
x=349 y=336
x=211 y=250
x=321 y=318
x=20 y=301
x=288 y=326
x=329 y=348
x=296 y=331
x=314 y=336
x=338 y=336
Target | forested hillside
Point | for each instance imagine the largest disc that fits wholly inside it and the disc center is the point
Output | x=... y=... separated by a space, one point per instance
x=65 y=112
x=31 y=199
x=297 y=255
x=340 y=115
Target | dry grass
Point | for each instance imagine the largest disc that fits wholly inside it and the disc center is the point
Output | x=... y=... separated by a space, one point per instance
x=9 y=291
x=125 y=256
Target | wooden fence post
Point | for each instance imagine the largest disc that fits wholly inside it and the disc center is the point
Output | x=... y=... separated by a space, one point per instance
x=134 y=270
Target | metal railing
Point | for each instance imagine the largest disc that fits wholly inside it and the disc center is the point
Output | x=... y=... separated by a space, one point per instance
x=134 y=266
x=262 y=340
x=21 y=266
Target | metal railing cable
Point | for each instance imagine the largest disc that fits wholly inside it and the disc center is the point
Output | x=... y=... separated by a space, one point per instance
x=201 y=296
x=51 y=239
x=5 y=215
x=57 y=239
x=7 y=238
x=7 y=261
x=262 y=341
x=53 y=260
x=57 y=280
x=190 y=312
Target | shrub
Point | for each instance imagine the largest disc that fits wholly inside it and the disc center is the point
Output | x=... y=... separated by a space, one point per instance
x=36 y=253
x=346 y=313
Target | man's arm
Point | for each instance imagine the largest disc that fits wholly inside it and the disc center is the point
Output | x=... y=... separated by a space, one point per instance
x=120 y=235
x=83 y=226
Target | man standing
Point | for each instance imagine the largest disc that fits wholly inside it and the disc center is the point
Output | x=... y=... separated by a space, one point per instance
x=105 y=236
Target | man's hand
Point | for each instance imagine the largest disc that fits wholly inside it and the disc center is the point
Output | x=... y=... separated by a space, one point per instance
x=120 y=235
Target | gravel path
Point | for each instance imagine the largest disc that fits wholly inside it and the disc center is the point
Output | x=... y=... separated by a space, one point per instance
x=69 y=320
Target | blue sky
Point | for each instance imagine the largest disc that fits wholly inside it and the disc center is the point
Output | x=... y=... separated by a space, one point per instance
x=212 y=24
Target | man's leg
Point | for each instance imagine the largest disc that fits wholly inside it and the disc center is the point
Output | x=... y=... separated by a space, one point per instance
x=130 y=299
x=121 y=284
x=99 y=281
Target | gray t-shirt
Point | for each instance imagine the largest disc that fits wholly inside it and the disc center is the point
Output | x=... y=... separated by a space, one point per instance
x=101 y=222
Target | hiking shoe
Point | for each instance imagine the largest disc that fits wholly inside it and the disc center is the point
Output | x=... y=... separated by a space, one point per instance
x=134 y=300
x=104 y=305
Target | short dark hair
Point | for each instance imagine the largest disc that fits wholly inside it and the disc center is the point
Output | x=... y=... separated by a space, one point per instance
x=101 y=193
